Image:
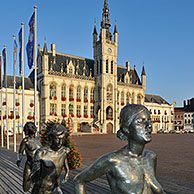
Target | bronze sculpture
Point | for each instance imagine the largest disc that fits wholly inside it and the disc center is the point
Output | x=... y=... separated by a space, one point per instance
x=49 y=161
x=129 y=170
x=29 y=144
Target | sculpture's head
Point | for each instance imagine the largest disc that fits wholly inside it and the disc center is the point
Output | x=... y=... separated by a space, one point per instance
x=57 y=136
x=135 y=124
x=30 y=128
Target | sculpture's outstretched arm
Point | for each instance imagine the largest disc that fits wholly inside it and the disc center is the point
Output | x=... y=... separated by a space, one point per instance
x=97 y=169
x=20 y=152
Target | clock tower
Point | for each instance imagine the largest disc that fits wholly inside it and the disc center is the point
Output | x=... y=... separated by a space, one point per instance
x=105 y=72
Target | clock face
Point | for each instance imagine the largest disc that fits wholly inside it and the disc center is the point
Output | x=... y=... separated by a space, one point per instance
x=109 y=50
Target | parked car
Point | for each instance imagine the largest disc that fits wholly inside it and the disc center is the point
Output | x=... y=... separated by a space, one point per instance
x=172 y=131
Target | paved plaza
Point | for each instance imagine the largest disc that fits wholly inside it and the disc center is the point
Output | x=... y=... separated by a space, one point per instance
x=174 y=170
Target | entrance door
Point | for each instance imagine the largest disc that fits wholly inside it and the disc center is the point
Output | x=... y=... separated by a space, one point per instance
x=109 y=128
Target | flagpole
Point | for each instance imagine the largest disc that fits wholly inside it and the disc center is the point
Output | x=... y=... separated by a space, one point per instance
x=22 y=75
x=35 y=67
x=14 y=94
x=1 y=103
x=7 y=127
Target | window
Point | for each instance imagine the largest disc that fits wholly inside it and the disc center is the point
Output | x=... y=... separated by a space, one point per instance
x=63 y=109
x=100 y=65
x=139 y=99
x=127 y=98
x=185 y=121
x=122 y=98
x=117 y=96
x=109 y=93
x=71 y=91
x=133 y=99
x=109 y=113
x=63 y=90
x=53 y=89
x=70 y=70
x=53 y=108
x=92 y=110
x=92 y=95
x=78 y=110
x=85 y=110
x=79 y=92
x=106 y=66
x=111 y=67
x=85 y=93
x=70 y=108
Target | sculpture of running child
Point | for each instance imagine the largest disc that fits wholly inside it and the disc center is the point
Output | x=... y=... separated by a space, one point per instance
x=29 y=144
x=49 y=161
x=131 y=169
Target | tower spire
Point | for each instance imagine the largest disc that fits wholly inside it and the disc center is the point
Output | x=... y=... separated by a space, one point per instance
x=45 y=47
x=105 y=16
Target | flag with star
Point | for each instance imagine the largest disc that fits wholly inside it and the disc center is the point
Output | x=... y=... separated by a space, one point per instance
x=20 y=51
x=30 y=44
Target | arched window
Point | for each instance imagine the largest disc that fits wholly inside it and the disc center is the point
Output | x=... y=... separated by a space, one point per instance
x=107 y=66
x=71 y=93
x=71 y=109
x=111 y=67
x=78 y=111
x=122 y=98
x=127 y=98
x=109 y=113
x=92 y=95
x=79 y=93
x=133 y=98
x=63 y=91
x=85 y=111
x=53 y=89
x=139 y=99
x=85 y=93
x=109 y=93
x=117 y=96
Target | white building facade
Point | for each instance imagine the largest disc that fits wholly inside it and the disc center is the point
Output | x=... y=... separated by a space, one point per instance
x=162 y=113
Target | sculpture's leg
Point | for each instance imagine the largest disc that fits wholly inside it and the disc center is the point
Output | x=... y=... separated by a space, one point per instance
x=26 y=177
x=57 y=190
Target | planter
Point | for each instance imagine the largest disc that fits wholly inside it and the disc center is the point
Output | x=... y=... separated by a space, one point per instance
x=72 y=115
x=63 y=98
x=64 y=115
x=17 y=103
x=51 y=113
x=55 y=114
x=92 y=101
x=50 y=97
x=31 y=105
x=4 y=103
x=71 y=99
x=29 y=117
x=4 y=117
x=78 y=99
x=17 y=116
x=85 y=100
x=92 y=116
x=78 y=116
x=122 y=103
x=85 y=116
x=55 y=97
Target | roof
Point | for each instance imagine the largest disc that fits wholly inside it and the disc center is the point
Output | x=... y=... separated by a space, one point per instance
x=62 y=60
x=27 y=82
x=155 y=99
x=122 y=71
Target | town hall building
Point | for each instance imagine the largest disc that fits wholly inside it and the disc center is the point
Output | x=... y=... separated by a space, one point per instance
x=88 y=91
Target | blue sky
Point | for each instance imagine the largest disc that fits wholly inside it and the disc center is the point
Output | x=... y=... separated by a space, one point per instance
x=159 y=33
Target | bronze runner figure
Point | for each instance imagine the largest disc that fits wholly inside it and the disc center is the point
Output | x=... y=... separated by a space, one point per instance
x=131 y=169
x=49 y=161
x=29 y=144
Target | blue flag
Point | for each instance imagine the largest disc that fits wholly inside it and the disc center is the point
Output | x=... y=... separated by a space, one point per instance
x=15 y=51
x=20 y=51
x=30 y=44
x=5 y=70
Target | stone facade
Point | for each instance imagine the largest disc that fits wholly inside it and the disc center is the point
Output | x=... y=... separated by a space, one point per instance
x=89 y=91
x=162 y=113
x=28 y=103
